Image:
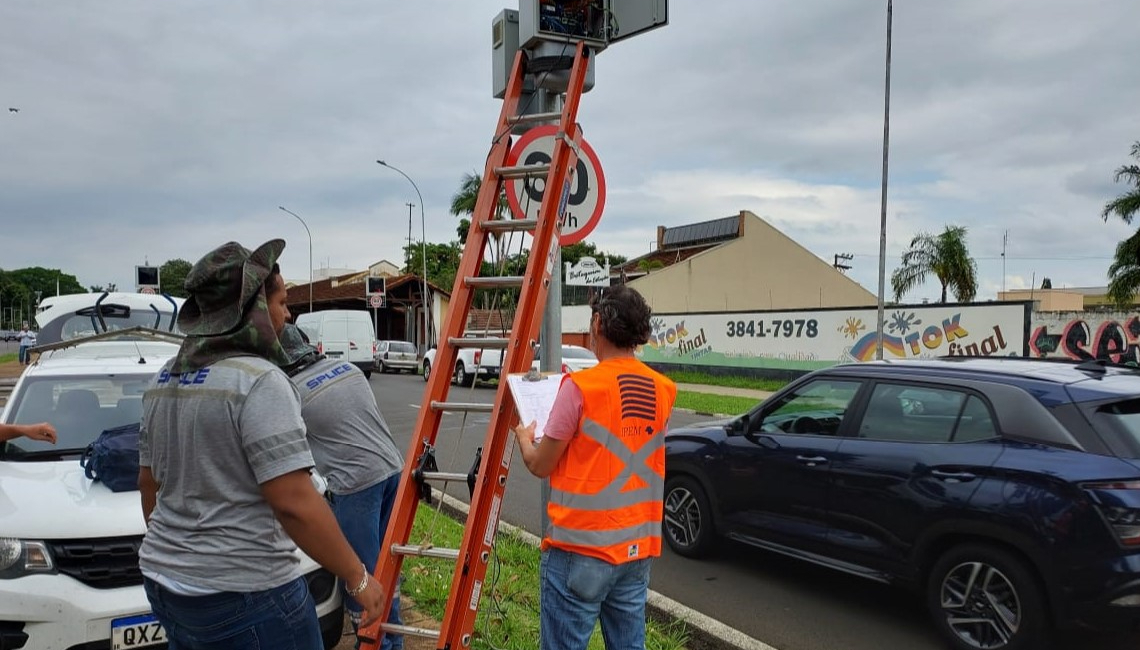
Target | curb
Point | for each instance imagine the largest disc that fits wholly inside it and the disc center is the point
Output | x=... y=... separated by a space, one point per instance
x=704 y=631
x=711 y=415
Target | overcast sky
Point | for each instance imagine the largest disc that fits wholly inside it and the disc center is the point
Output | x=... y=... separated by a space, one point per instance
x=155 y=130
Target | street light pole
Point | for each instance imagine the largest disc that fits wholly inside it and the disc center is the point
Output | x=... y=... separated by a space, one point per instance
x=310 y=253
x=423 y=252
x=883 y=201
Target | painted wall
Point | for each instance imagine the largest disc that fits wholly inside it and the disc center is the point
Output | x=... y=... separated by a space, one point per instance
x=1086 y=335
x=764 y=269
x=810 y=339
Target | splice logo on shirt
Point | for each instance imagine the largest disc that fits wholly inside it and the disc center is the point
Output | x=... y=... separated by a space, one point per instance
x=184 y=379
x=316 y=382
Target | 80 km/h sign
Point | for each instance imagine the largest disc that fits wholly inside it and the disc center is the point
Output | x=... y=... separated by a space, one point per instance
x=585 y=198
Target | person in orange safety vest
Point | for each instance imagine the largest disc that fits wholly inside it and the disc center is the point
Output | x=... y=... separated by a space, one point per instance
x=603 y=449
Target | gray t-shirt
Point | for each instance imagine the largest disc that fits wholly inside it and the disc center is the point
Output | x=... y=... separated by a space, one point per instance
x=351 y=443
x=211 y=437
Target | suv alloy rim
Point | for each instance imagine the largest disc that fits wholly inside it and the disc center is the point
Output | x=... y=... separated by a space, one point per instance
x=981 y=605
x=682 y=517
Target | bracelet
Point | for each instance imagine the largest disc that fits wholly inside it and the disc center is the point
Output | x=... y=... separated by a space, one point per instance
x=363 y=583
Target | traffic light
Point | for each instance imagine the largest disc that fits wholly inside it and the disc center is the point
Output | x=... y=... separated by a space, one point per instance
x=374 y=285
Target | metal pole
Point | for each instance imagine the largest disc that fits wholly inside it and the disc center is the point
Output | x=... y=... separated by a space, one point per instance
x=310 y=254
x=883 y=213
x=408 y=255
x=429 y=334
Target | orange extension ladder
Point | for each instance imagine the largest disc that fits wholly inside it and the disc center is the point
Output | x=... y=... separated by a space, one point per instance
x=472 y=557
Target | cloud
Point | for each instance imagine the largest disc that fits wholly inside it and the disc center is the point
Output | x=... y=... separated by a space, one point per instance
x=158 y=130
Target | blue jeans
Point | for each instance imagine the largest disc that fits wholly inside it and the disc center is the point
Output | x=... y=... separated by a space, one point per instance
x=363 y=518
x=282 y=617
x=577 y=590
x=25 y=356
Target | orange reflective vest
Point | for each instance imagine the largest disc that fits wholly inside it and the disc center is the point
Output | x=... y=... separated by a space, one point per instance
x=606 y=491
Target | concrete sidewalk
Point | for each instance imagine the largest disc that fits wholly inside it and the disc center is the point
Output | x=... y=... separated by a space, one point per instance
x=725 y=390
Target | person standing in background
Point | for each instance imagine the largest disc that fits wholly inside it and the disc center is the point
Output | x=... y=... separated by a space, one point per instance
x=27 y=339
x=354 y=452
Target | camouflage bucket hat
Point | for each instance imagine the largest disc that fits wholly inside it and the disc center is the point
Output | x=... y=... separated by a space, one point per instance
x=222 y=284
x=297 y=347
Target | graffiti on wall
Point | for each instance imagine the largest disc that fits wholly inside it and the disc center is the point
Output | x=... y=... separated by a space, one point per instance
x=810 y=339
x=1117 y=340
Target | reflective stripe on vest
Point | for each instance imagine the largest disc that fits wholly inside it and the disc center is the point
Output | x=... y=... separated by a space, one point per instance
x=636 y=463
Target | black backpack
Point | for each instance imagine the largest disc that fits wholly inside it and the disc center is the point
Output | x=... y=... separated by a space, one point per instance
x=113 y=458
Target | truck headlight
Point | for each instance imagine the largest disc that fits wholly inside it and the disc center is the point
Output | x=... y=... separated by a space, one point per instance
x=19 y=558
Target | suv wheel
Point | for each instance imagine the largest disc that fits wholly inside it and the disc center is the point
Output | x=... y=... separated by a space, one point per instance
x=985 y=598
x=688 y=518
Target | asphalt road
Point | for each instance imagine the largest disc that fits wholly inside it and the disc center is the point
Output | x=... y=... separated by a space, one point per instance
x=785 y=603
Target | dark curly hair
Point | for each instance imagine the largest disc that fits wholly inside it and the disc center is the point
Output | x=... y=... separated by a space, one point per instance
x=624 y=316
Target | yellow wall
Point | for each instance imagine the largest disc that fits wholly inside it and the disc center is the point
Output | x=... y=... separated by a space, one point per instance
x=1047 y=299
x=764 y=269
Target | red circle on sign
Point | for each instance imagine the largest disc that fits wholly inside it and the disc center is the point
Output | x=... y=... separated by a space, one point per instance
x=591 y=159
x=376 y=300
x=147 y=290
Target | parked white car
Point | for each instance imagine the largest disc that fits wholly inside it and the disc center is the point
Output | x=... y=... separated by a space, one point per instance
x=69 y=575
x=574 y=358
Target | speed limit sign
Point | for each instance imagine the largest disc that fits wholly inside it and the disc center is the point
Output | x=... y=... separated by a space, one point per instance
x=584 y=199
x=376 y=300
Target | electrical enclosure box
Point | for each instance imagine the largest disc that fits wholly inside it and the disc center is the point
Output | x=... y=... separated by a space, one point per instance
x=598 y=23
x=504 y=47
x=147 y=277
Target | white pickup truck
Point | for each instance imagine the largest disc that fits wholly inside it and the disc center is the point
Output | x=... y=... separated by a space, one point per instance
x=472 y=364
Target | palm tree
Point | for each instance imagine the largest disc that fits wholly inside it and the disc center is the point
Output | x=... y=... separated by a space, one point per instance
x=1126 y=205
x=946 y=256
x=1124 y=274
x=463 y=203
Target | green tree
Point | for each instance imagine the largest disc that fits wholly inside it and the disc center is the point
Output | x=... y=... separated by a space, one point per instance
x=1124 y=273
x=1127 y=204
x=172 y=276
x=46 y=281
x=945 y=256
x=464 y=200
x=14 y=301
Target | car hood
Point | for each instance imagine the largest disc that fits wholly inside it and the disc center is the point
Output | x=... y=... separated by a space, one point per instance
x=698 y=427
x=54 y=500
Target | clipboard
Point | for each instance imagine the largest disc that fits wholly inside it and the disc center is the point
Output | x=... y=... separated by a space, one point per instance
x=534 y=394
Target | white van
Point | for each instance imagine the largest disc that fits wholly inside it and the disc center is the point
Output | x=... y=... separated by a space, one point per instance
x=342 y=334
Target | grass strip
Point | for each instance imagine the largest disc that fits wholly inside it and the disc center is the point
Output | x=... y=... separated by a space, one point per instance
x=708 y=403
x=9 y=358
x=694 y=377
x=508 y=611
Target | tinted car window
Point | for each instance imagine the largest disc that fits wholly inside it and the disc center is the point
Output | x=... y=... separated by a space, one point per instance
x=401 y=346
x=925 y=414
x=814 y=408
x=1121 y=421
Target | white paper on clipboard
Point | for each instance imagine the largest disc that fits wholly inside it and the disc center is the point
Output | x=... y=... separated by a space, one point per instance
x=534 y=398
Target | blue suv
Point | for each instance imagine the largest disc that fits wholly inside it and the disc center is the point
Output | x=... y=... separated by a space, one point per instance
x=1006 y=490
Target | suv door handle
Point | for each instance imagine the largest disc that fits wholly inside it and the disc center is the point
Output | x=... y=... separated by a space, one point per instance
x=952 y=477
x=812 y=461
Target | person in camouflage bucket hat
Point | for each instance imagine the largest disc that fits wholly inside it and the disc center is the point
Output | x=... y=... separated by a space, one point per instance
x=227 y=313
x=224 y=474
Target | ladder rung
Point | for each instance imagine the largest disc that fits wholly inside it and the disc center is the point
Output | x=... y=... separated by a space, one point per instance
x=522 y=171
x=463 y=407
x=509 y=225
x=494 y=282
x=427 y=551
x=409 y=630
x=533 y=118
x=444 y=476
x=478 y=343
